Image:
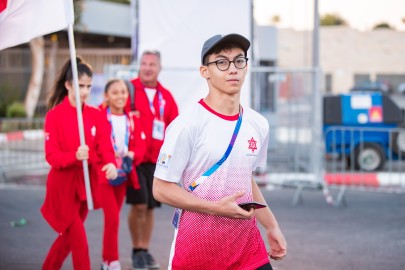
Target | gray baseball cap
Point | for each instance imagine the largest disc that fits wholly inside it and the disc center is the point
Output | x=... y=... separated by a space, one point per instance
x=217 y=40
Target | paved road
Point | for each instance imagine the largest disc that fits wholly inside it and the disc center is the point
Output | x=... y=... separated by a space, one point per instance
x=368 y=234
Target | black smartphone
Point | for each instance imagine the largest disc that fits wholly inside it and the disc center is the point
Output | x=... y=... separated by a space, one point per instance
x=249 y=205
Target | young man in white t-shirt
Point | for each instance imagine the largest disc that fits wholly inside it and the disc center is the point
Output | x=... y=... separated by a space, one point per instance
x=211 y=151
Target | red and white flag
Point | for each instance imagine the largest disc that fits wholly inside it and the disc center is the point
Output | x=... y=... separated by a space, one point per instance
x=23 y=20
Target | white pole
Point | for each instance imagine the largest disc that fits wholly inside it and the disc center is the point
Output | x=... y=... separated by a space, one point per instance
x=72 y=50
x=316 y=136
x=317 y=105
x=134 y=7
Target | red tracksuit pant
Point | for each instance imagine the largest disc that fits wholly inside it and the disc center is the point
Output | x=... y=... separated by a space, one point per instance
x=111 y=202
x=74 y=240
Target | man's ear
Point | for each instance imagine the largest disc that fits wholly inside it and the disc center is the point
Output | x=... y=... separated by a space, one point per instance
x=204 y=72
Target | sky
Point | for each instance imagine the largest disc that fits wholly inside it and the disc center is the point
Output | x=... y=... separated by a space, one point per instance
x=360 y=14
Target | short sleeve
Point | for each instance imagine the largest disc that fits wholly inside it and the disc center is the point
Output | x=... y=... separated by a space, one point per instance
x=175 y=152
x=261 y=160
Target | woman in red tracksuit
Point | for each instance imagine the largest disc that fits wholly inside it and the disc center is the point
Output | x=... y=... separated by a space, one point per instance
x=129 y=142
x=65 y=206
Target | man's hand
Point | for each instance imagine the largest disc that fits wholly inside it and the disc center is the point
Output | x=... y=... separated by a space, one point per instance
x=278 y=245
x=110 y=171
x=227 y=207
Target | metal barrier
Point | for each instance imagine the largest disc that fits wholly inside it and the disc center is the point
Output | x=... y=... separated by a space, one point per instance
x=286 y=97
x=303 y=156
x=367 y=159
x=21 y=147
x=297 y=156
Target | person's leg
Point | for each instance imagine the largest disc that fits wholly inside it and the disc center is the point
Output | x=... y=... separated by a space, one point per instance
x=111 y=223
x=78 y=241
x=137 y=218
x=147 y=228
x=61 y=247
x=149 y=224
x=136 y=224
x=137 y=212
x=152 y=203
x=57 y=253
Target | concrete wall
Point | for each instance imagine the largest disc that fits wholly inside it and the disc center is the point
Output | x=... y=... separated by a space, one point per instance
x=345 y=52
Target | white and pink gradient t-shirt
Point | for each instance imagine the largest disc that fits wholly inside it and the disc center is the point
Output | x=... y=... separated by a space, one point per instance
x=195 y=141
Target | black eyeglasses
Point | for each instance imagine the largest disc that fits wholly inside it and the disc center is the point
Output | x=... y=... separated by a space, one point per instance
x=224 y=64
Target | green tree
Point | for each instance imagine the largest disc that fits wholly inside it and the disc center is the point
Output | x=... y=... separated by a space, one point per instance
x=332 y=19
x=382 y=25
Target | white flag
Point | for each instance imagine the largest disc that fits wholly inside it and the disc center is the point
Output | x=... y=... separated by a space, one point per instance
x=23 y=20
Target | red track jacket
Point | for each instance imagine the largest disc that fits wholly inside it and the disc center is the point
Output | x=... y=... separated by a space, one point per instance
x=147 y=117
x=65 y=184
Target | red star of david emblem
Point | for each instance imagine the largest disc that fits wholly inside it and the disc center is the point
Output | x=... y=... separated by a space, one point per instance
x=252 y=145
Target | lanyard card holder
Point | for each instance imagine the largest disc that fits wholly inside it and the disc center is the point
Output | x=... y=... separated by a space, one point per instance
x=176 y=217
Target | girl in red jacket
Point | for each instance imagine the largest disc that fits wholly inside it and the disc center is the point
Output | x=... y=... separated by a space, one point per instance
x=65 y=207
x=130 y=147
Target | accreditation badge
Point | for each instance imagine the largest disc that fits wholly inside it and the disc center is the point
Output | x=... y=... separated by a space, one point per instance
x=158 y=131
x=176 y=218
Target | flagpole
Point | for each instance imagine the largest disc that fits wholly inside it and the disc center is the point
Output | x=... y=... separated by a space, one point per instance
x=72 y=50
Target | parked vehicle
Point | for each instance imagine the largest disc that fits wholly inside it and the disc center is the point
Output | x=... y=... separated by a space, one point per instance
x=373 y=86
x=364 y=128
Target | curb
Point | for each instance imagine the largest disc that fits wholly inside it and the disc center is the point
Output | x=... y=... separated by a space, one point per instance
x=382 y=179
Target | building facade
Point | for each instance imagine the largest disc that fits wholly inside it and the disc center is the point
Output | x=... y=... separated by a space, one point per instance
x=347 y=56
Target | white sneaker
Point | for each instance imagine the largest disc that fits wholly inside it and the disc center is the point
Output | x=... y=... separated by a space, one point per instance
x=114 y=265
x=104 y=266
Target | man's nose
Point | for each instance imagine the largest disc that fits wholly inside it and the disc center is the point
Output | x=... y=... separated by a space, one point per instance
x=232 y=66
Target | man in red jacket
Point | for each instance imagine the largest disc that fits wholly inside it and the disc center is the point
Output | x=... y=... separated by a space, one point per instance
x=157 y=109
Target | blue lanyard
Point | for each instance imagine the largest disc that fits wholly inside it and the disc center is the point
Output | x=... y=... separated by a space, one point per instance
x=224 y=157
x=126 y=141
x=161 y=103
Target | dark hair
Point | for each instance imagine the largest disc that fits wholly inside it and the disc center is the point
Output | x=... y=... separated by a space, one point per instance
x=221 y=47
x=59 y=91
x=110 y=82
